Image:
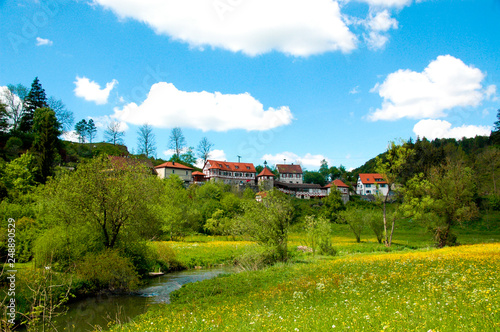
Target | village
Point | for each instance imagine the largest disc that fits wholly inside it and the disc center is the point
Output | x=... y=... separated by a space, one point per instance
x=290 y=179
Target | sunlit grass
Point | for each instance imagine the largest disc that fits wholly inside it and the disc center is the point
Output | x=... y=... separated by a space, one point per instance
x=451 y=289
x=208 y=254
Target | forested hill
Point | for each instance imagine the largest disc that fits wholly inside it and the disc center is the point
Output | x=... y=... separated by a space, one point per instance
x=431 y=153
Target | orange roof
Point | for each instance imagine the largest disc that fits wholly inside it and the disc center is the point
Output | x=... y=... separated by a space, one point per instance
x=170 y=164
x=372 y=178
x=294 y=169
x=266 y=172
x=230 y=166
x=198 y=173
x=338 y=183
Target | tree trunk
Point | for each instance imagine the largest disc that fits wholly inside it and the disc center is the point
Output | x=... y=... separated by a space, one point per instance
x=386 y=242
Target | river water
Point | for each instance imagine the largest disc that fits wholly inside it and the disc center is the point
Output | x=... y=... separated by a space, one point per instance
x=102 y=311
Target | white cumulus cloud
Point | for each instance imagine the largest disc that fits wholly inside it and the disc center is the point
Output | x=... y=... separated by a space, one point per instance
x=214 y=155
x=70 y=136
x=166 y=107
x=43 y=42
x=388 y=3
x=294 y=27
x=92 y=91
x=432 y=129
x=308 y=160
x=446 y=83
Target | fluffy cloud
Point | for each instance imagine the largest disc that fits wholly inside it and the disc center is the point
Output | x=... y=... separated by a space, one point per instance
x=294 y=27
x=446 y=83
x=92 y=91
x=166 y=107
x=388 y=3
x=432 y=129
x=307 y=160
x=43 y=42
x=70 y=136
x=215 y=155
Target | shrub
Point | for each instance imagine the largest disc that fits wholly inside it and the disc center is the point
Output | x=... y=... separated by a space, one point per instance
x=107 y=271
x=165 y=257
x=142 y=257
x=319 y=235
x=60 y=247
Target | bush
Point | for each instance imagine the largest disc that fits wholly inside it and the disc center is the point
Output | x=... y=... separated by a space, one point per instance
x=166 y=258
x=255 y=259
x=107 y=271
x=319 y=235
x=143 y=258
x=61 y=248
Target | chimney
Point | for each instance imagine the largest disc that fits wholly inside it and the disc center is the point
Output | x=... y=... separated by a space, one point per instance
x=173 y=163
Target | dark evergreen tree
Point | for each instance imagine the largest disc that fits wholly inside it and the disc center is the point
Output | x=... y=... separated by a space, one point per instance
x=91 y=130
x=46 y=130
x=36 y=99
x=81 y=129
x=495 y=134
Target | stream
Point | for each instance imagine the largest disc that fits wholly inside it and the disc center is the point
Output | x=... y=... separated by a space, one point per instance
x=102 y=311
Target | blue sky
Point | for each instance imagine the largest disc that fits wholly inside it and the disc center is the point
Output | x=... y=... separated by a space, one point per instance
x=301 y=80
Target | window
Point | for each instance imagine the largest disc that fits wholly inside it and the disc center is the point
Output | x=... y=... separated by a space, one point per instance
x=368 y=186
x=173 y=171
x=382 y=185
x=186 y=172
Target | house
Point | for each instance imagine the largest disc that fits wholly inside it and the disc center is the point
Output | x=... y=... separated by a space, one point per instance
x=371 y=184
x=301 y=190
x=171 y=167
x=229 y=172
x=290 y=173
x=198 y=177
x=341 y=186
x=265 y=179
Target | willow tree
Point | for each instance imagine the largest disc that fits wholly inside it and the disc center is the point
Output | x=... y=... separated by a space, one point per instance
x=109 y=195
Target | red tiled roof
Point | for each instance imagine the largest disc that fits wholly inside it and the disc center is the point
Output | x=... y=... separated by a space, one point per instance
x=232 y=167
x=266 y=172
x=338 y=183
x=170 y=164
x=198 y=173
x=372 y=178
x=289 y=169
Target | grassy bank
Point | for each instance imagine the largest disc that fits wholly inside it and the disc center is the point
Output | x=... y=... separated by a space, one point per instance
x=440 y=290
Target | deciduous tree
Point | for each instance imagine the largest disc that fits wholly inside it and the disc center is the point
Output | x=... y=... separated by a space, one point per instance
x=146 y=141
x=204 y=149
x=15 y=96
x=268 y=222
x=113 y=133
x=107 y=196
x=177 y=141
x=392 y=168
x=63 y=115
x=443 y=200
